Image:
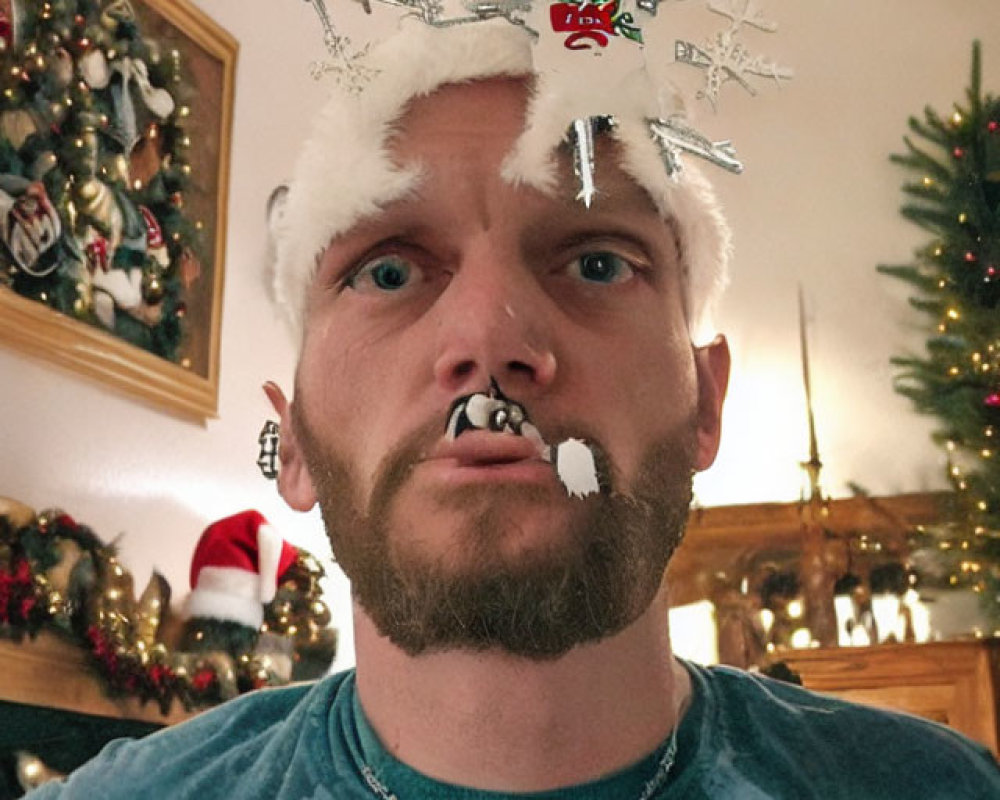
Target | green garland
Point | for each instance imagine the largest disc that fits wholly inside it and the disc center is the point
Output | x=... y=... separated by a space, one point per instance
x=93 y=605
x=67 y=123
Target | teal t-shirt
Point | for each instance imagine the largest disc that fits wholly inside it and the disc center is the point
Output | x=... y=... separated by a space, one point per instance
x=743 y=737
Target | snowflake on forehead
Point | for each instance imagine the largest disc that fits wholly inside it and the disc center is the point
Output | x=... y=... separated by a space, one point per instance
x=725 y=58
x=348 y=66
x=429 y=11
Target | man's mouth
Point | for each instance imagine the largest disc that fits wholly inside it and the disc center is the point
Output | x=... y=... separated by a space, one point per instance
x=488 y=429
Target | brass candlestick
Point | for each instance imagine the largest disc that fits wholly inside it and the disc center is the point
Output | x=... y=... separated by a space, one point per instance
x=818 y=546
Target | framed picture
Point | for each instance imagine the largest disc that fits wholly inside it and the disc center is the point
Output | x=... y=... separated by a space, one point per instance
x=115 y=130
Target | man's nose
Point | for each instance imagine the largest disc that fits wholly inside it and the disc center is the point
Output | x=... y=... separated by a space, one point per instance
x=494 y=320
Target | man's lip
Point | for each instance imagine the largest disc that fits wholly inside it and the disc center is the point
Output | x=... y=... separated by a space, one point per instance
x=485 y=448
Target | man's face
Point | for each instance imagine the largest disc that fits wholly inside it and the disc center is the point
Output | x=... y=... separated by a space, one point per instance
x=577 y=314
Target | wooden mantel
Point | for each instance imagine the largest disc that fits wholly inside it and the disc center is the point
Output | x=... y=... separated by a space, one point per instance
x=50 y=672
x=721 y=537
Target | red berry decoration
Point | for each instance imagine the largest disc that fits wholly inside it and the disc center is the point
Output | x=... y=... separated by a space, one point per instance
x=992 y=400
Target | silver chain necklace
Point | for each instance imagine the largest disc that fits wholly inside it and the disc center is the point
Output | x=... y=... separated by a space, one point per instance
x=653 y=785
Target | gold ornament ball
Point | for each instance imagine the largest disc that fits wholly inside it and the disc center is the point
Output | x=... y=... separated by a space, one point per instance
x=152 y=288
x=321 y=614
x=88 y=190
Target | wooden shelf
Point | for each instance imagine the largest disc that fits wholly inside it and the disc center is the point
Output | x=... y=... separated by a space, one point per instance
x=50 y=672
x=954 y=683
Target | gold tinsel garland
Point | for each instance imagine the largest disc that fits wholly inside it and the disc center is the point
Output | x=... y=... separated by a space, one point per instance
x=56 y=574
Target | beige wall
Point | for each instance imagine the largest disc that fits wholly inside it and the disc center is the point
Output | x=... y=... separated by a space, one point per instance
x=817 y=206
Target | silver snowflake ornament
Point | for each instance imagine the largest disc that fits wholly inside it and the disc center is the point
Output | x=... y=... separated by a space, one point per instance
x=725 y=58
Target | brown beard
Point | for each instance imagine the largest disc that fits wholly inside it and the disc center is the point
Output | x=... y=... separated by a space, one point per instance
x=601 y=576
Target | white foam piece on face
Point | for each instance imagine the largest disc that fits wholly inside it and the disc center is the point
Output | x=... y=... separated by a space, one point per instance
x=576 y=468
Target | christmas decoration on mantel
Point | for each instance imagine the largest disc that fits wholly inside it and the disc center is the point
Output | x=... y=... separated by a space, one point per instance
x=57 y=575
x=837 y=586
x=94 y=168
x=955 y=196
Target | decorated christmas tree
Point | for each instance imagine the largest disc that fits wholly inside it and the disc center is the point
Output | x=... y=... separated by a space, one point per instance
x=94 y=168
x=954 y=195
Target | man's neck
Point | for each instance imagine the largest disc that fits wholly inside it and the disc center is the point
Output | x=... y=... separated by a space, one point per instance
x=497 y=722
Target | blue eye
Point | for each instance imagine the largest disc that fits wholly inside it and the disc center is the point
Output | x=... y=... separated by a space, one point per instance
x=601 y=267
x=385 y=273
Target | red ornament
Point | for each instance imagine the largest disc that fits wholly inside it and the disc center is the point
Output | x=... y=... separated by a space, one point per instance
x=160 y=674
x=16 y=593
x=27 y=603
x=991 y=271
x=97 y=254
x=993 y=126
x=203 y=679
x=154 y=233
x=992 y=400
x=970 y=256
x=66 y=521
x=958 y=152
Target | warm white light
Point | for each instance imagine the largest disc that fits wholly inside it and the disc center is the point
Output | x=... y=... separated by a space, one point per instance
x=888 y=620
x=801 y=638
x=860 y=637
x=693 y=633
x=843 y=607
x=765 y=423
x=920 y=616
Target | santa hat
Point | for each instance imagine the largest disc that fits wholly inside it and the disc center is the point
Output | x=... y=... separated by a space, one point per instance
x=236 y=568
x=345 y=172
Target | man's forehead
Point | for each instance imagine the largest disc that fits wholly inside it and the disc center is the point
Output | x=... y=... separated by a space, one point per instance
x=445 y=130
x=618 y=197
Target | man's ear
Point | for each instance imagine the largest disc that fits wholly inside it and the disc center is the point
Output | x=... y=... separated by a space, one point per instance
x=712 y=364
x=294 y=482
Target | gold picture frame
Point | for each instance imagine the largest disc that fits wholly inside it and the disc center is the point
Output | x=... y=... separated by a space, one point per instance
x=188 y=389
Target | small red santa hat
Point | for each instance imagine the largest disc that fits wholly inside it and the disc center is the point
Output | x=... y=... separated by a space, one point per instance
x=236 y=568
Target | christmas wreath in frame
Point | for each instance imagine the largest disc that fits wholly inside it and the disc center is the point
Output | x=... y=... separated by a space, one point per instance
x=114 y=135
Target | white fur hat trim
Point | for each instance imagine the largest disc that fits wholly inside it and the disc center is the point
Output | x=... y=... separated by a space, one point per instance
x=227 y=593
